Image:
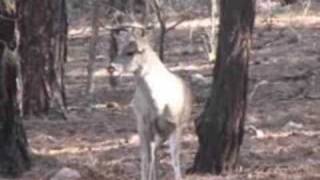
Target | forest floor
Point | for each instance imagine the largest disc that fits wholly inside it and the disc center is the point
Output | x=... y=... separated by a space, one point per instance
x=282 y=140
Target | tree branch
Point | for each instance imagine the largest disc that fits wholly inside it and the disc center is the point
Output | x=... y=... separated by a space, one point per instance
x=157 y=9
x=177 y=23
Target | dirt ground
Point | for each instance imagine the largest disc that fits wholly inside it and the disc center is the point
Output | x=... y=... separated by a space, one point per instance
x=283 y=128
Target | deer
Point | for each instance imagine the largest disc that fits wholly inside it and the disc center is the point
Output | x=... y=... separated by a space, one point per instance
x=162 y=104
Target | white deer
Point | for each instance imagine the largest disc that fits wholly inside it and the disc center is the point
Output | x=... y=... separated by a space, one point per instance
x=162 y=104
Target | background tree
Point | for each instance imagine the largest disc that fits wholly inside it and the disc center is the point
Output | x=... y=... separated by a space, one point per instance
x=220 y=128
x=14 y=157
x=95 y=9
x=43 y=48
x=159 y=11
x=210 y=37
x=214 y=11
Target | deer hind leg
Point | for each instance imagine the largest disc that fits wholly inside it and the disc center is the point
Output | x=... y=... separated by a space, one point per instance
x=175 y=145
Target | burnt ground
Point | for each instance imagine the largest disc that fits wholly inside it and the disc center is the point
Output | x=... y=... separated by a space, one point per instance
x=283 y=128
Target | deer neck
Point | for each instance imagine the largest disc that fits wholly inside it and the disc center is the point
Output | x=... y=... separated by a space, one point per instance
x=151 y=66
x=153 y=75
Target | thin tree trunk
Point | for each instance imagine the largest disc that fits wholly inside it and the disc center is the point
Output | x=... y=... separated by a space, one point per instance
x=163 y=28
x=61 y=50
x=214 y=28
x=221 y=127
x=92 y=47
x=43 y=28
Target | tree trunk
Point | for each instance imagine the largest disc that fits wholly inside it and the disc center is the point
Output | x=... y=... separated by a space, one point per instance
x=163 y=27
x=221 y=127
x=93 y=44
x=14 y=156
x=43 y=49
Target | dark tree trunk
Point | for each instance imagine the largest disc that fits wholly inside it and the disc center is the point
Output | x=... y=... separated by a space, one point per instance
x=14 y=156
x=43 y=49
x=221 y=127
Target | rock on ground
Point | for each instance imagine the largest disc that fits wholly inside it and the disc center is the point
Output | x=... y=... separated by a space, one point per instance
x=66 y=174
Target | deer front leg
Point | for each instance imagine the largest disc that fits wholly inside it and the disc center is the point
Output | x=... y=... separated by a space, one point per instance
x=154 y=171
x=174 y=143
x=145 y=139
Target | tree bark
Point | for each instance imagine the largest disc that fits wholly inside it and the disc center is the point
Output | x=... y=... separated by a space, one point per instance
x=43 y=48
x=14 y=156
x=221 y=126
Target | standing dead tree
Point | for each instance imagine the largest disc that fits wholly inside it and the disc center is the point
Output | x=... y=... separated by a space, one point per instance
x=220 y=128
